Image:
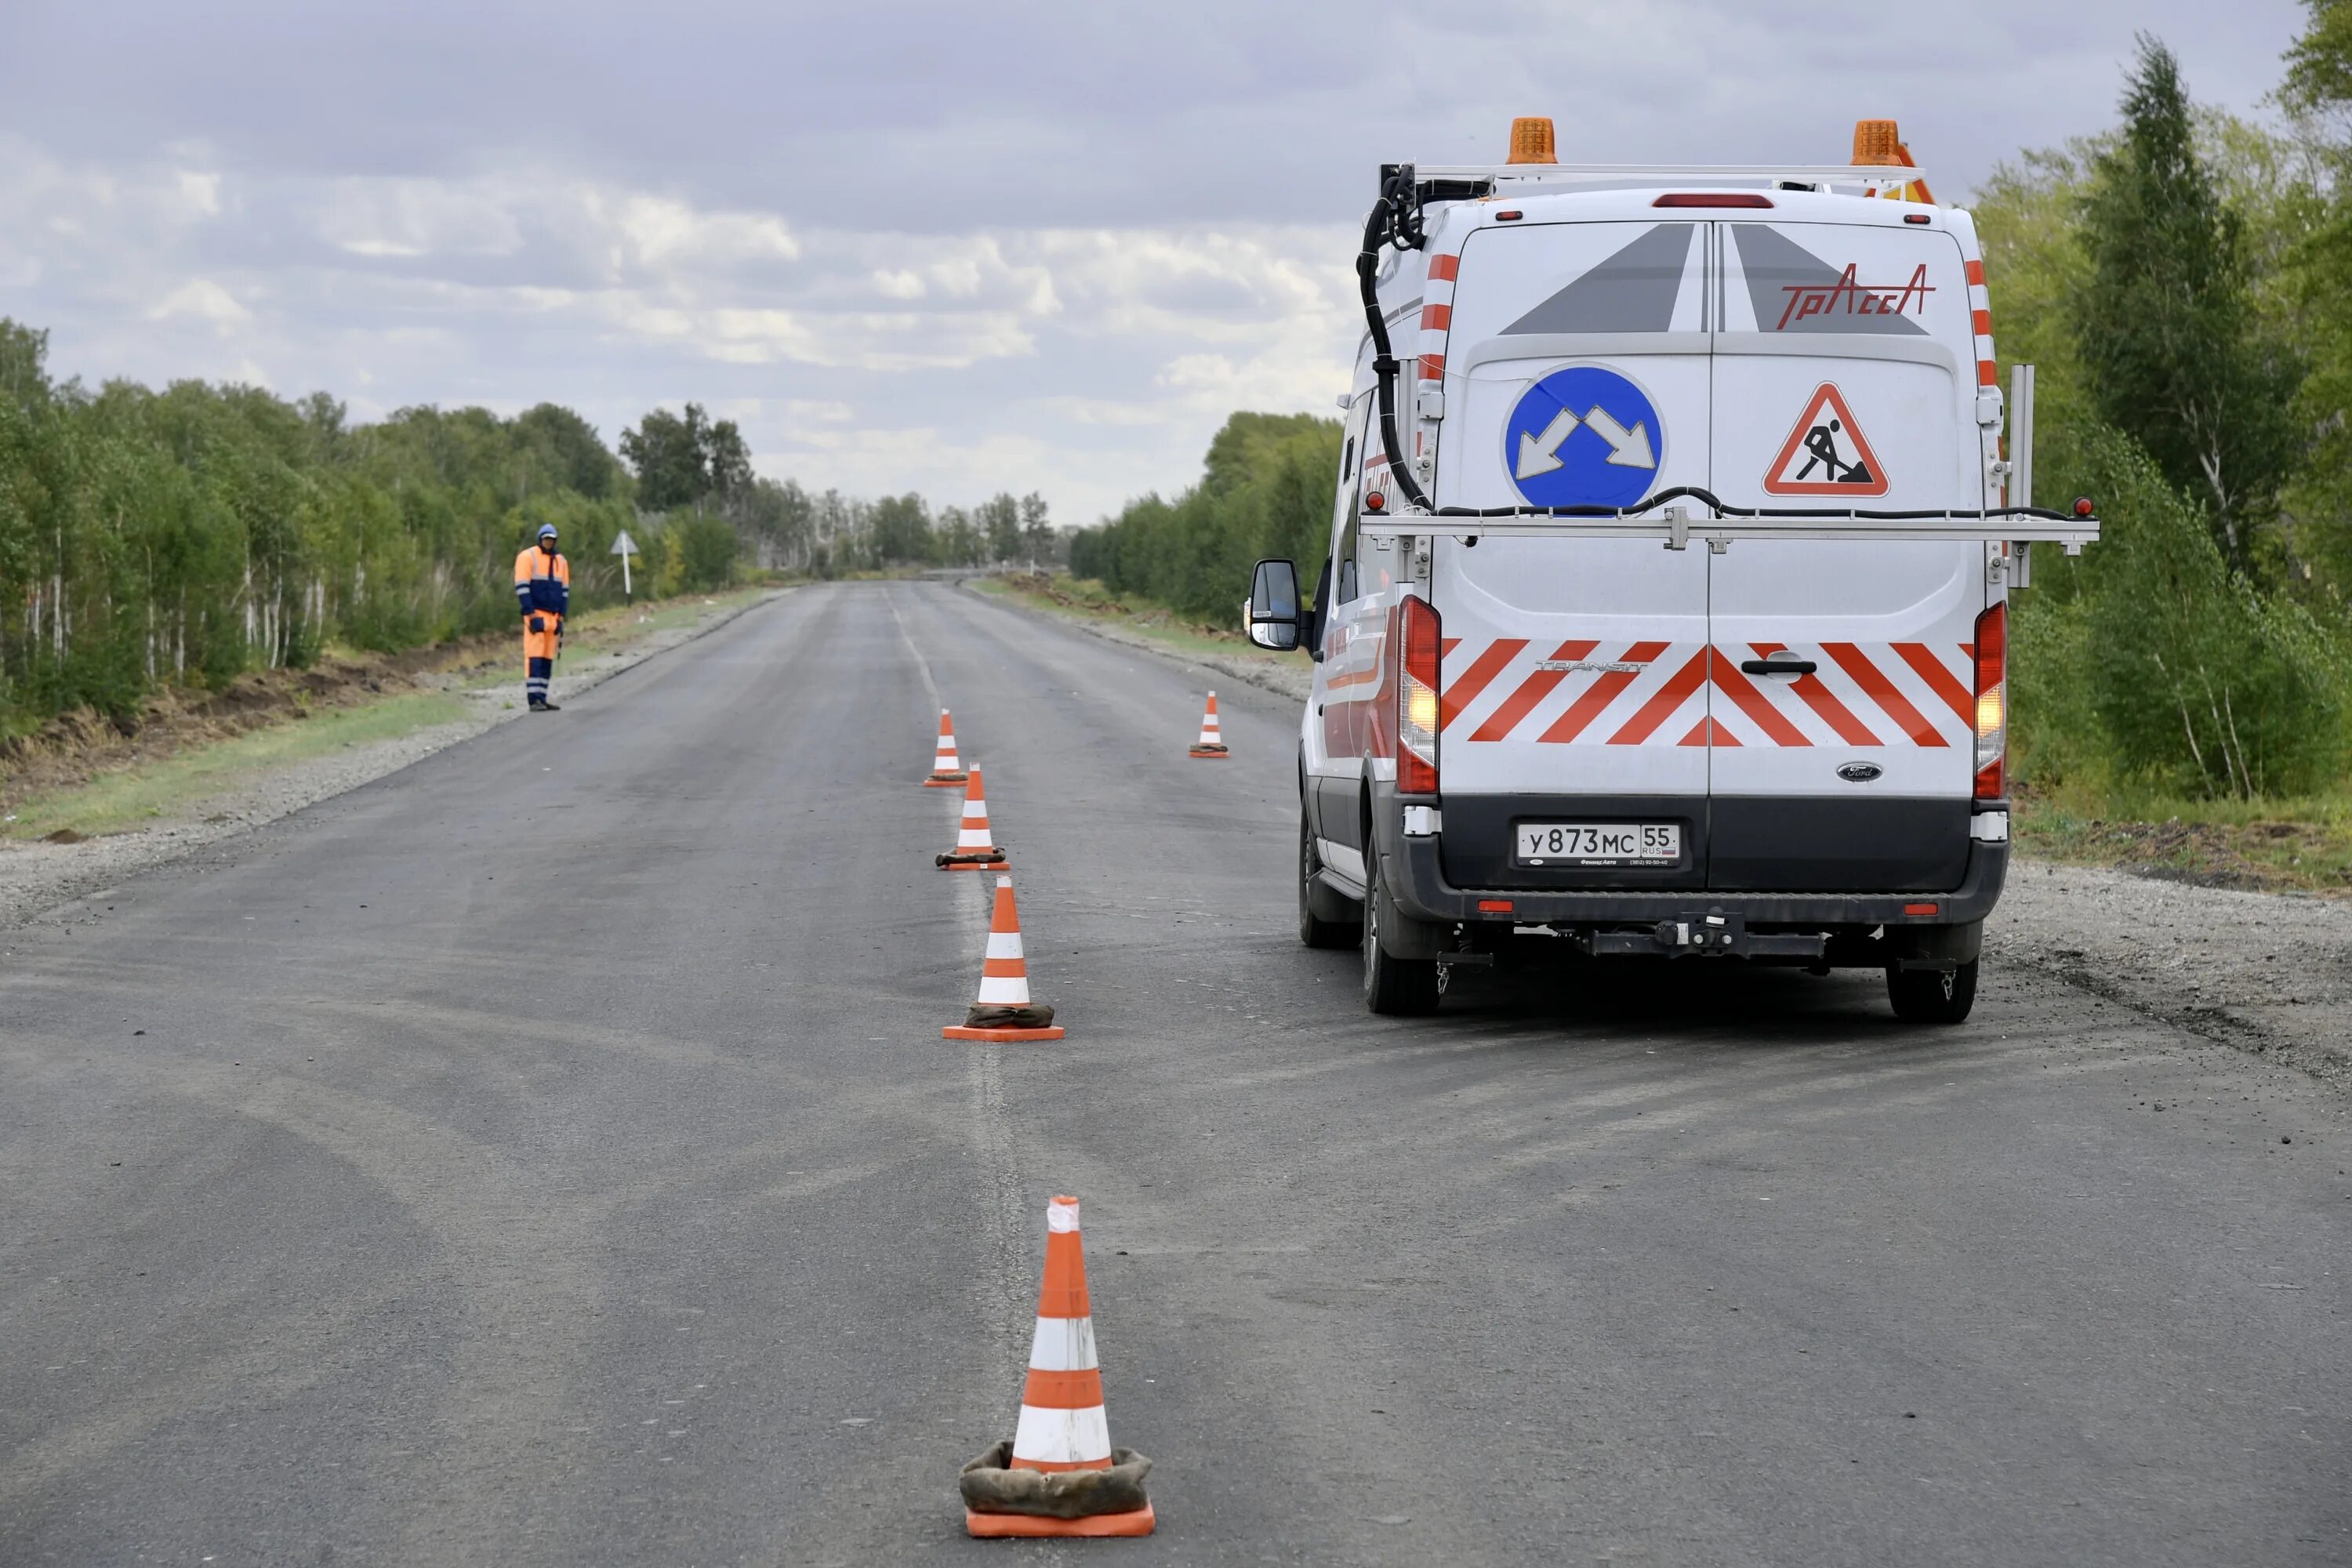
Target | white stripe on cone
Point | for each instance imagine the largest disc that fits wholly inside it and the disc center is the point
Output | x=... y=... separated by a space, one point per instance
x=1063 y=1344
x=1062 y=1437
x=1003 y=991
x=1209 y=736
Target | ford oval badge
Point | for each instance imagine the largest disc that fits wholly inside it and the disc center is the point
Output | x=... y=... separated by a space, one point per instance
x=1860 y=773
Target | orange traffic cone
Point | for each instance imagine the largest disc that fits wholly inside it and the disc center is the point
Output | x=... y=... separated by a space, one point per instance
x=946 y=771
x=973 y=851
x=1064 y=1439
x=1211 y=746
x=1004 y=1011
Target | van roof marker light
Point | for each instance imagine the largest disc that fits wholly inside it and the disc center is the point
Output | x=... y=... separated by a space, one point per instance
x=1712 y=199
x=1509 y=214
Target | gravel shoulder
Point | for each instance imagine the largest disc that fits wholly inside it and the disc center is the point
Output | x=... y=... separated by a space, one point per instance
x=36 y=876
x=2270 y=973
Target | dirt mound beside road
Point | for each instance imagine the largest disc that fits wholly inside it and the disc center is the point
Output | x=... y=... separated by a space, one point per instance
x=76 y=747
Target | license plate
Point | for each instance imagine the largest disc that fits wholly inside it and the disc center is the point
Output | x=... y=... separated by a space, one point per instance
x=1600 y=843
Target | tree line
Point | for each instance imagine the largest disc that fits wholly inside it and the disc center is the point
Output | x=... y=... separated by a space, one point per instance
x=688 y=463
x=2183 y=283
x=1266 y=489
x=191 y=534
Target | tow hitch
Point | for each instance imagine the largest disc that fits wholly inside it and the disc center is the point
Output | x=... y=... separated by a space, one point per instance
x=1459 y=958
x=1711 y=934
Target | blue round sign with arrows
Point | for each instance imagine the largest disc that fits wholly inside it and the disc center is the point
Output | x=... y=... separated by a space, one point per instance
x=1583 y=437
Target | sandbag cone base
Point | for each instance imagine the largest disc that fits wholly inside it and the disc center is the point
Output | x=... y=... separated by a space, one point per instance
x=1002 y=1024
x=993 y=860
x=946 y=781
x=1210 y=755
x=1000 y=1501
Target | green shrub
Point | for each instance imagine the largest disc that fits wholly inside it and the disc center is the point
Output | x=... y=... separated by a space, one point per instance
x=2198 y=680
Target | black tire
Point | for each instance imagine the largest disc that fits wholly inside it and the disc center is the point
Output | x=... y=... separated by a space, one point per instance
x=1394 y=987
x=1933 y=996
x=1313 y=929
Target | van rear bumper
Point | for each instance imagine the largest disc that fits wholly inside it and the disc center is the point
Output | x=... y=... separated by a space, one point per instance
x=1417 y=878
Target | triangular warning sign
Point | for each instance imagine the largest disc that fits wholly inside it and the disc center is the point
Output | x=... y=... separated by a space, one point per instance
x=1826 y=454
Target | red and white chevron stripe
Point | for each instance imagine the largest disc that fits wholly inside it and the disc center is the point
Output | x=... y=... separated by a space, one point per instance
x=1580 y=692
x=1980 y=318
x=1437 y=315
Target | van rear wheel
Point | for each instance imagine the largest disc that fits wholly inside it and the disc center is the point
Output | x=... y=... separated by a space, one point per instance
x=1393 y=986
x=1932 y=995
x=1313 y=930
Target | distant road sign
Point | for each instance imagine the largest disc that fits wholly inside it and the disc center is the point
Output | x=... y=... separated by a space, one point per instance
x=624 y=545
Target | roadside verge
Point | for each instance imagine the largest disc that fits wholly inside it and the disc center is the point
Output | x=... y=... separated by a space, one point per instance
x=257 y=788
x=1289 y=674
x=2270 y=973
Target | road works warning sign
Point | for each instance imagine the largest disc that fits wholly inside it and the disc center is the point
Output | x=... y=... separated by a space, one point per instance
x=1826 y=453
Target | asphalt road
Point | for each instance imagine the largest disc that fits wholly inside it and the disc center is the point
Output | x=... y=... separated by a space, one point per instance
x=547 y=1154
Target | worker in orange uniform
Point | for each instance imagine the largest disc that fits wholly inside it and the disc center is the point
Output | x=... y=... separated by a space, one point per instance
x=543 y=586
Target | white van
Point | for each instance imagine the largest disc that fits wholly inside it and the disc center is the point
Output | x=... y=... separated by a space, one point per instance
x=1664 y=610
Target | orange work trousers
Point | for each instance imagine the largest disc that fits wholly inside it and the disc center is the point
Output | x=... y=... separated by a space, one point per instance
x=541 y=643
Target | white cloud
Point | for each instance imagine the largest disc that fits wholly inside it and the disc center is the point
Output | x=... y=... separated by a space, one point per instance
x=384 y=218
x=651 y=233
x=206 y=301
x=200 y=190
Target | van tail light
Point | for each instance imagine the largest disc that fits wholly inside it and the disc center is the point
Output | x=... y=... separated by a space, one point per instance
x=1992 y=701
x=1417 y=688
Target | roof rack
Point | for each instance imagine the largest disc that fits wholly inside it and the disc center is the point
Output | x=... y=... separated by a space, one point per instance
x=1677 y=526
x=1675 y=174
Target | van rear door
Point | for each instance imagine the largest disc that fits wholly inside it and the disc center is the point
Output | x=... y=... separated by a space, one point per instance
x=1577 y=372
x=1845 y=377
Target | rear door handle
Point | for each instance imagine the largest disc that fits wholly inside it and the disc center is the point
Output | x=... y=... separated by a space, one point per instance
x=1777 y=666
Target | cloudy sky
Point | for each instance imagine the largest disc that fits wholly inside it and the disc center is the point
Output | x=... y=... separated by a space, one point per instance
x=955 y=249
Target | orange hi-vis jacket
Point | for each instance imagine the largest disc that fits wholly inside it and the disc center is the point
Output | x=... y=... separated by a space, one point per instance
x=544 y=586
x=543 y=583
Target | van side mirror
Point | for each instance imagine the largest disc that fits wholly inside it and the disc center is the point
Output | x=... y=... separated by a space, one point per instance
x=1273 y=605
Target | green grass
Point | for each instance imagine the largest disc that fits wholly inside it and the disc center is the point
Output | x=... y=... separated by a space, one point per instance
x=173 y=785
x=1142 y=615
x=170 y=785
x=2303 y=845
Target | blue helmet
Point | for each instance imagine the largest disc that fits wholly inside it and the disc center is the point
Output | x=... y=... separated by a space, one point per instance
x=547 y=530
